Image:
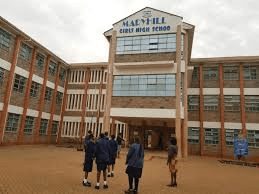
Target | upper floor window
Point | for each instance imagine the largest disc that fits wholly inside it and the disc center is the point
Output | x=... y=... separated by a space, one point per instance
x=48 y=94
x=34 y=89
x=5 y=40
x=19 y=83
x=40 y=61
x=252 y=103
x=62 y=74
x=193 y=102
x=52 y=68
x=250 y=72
x=211 y=102
x=232 y=103
x=1 y=75
x=231 y=72
x=12 y=122
x=144 y=85
x=146 y=44
x=59 y=97
x=195 y=73
x=210 y=73
x=25 y=52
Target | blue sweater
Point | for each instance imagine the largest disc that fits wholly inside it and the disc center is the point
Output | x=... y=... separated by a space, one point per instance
x=102 y=151
x=89 y=150
x=135 y=156
x=113 y=145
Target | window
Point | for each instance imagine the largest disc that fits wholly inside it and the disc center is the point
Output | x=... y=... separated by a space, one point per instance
x=48 y=94
x=250 y=72
x=231 y=72
x=28 y=125
x=211 y=136
x=1 y=75
x=231 y=134
x=232 y=103
x=252 y=103
x=34 y=89
x=210 y=73
x=193 y=135
x=146 y=44
x=54 y=129
x=43 y=126
x=5 y=40
x=193 y=103
x=59 y=97
x=211 y=103
x=62 y=74
x=25 y=52
x=12 y=122
x=144 y=85
x=52 y=68
x=253 y=138
x=19 y=83
x=195 y=73
x=40 y=61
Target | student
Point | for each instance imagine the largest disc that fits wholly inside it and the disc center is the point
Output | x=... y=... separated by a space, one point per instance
x=102 y=159
x=113 y=145
x=89 y=155
x=106 y=136
x=171 y=161
x=135 y=161
x=119 y=140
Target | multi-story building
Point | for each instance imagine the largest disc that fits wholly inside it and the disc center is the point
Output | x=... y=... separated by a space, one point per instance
x=149 y=87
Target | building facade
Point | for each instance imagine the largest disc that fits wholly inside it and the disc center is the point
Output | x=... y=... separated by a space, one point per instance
x=149 y=87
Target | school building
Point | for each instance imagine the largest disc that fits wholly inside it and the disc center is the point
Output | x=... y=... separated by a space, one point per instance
x=150 y=87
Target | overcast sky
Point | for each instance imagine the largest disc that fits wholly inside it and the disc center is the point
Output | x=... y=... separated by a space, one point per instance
x=73 y=29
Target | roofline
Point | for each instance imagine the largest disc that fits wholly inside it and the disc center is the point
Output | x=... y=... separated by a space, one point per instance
x=232 y=59
x=149 y=8
x=93 y=64
x=19 y=32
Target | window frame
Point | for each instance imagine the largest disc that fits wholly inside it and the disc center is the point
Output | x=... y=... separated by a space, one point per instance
x=19 y=83
x=43 y=126
x=12 y=122
x=29 y=124
x=5 y=40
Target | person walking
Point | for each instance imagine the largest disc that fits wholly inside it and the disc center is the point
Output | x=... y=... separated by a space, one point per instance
x=119 y=140
x=134 y=162
x=172 y=161
x=113 y=145
x=102 y=159
x=88 y=161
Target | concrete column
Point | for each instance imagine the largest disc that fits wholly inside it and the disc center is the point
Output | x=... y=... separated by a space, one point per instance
x=112 y=53
x=64 y=103
x=222 y=109
x=27 y=96
x=178 y=91
x=41 y=101
x=242 y=99
x=9 y=87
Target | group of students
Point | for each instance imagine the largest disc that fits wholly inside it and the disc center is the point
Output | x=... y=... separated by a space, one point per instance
x=105 y=151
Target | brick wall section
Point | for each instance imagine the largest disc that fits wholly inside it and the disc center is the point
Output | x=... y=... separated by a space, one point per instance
x=231 y=84
x=252 y=117
x=47 y=105
x=212 y=116
x=193 y=116
x=75 y=86
x=145 y=57
x=34 y=101
x=232 y=117
x=10 y=138
x=24 y=64
x=143 y=102
x=17 y=98
x=211 y=84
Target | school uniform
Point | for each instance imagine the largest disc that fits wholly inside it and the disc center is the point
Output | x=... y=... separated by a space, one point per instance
x=102 y=154
x=89 y=155
x=171 y=160
x=113 y=146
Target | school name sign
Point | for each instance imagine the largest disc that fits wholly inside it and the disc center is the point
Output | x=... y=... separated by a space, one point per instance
x=154 y=24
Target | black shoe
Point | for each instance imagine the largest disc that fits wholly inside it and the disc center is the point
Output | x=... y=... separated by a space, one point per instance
x=135 y=191
x=112 y=174
x=129 y=191
x=108 y=175
x=105 y=186
x=97 y=187
x=170 y=185
x=87 y=184
x=174 y=184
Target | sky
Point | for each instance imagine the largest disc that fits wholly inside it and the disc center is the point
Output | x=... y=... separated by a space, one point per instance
x=73 y=29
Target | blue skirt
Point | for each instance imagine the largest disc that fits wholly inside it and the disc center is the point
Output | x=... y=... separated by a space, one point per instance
x=134 y=172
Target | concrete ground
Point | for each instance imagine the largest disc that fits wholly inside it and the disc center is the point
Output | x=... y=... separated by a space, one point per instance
x=50 y=169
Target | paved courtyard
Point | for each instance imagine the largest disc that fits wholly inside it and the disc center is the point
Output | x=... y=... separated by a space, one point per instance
x=50 y=169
